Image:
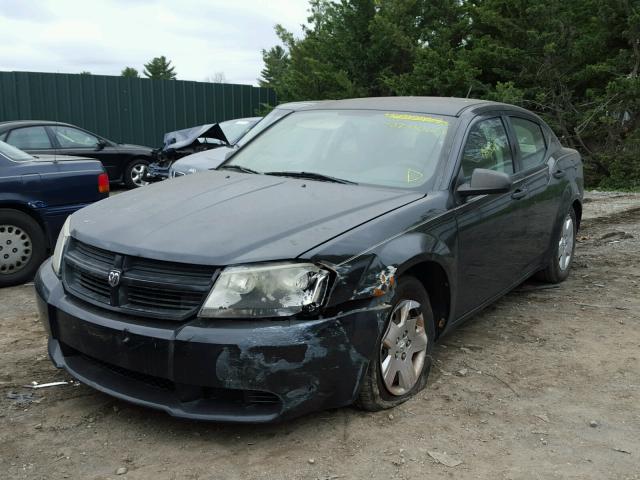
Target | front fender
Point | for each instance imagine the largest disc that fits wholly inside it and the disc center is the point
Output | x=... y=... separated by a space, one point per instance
x=373 y=275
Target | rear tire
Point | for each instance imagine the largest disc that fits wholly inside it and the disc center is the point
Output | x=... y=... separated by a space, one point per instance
x=559 y=265
x=23 y=247
x=134 y=173
x=405 y=349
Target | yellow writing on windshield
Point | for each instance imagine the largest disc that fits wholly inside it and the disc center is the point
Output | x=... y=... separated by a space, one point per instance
x=418 y=127
x=413 y=175
x=416 y=118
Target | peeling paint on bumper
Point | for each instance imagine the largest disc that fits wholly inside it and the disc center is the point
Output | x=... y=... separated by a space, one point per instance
x=211 y=370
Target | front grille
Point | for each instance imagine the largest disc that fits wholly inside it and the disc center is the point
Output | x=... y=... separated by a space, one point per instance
x=149 y=380
x=146 y=287
x=255 y=398
x=267 y=398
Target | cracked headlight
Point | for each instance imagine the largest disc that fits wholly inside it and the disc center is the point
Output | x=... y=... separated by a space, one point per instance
x=63 y=237
x=267 y=290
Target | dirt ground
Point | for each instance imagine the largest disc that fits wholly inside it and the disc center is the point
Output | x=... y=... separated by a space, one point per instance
x=545 y=384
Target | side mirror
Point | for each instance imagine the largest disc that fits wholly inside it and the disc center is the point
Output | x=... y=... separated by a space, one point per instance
x=101 y=144
x=485 y=181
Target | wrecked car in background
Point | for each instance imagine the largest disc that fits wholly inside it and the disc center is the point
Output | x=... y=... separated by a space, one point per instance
x=202 y=138
x=318 y=265
x=37 y=194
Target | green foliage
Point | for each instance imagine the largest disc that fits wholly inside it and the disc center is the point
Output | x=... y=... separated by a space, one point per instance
x=159 y=68
x=130 y=72
x=276 y=62
x=574 y=62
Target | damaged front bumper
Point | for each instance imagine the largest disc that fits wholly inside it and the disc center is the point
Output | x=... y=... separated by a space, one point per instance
x=157 y=172
x=219 y=370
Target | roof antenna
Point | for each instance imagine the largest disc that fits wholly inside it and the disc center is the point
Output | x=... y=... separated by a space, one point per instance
x=469 y=91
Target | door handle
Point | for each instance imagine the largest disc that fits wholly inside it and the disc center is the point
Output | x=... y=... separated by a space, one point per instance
x=519 y=193
x=558 y=174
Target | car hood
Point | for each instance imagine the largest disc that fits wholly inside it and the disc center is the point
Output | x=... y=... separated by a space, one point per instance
x=182 y=138
x=222 y=218
x=205 y=160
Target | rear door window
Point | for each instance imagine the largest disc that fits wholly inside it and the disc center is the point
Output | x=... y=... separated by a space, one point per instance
x=530 y=139
x=487 y=147
x=29 y=138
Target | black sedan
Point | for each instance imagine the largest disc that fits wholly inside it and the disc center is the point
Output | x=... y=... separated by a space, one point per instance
x=123 y=163
x=318 y=265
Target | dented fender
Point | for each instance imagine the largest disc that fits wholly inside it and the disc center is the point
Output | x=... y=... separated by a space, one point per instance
x=371 y=273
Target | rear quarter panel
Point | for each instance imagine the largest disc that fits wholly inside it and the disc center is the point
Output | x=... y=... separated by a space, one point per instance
x=49 y=191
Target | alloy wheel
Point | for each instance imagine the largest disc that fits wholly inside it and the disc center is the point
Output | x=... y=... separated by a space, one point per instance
x=565 y=245
x=15 y=249
x=404 y=348
x=138 y=172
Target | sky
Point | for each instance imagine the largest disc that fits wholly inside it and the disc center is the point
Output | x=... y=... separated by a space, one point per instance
x=200 y=37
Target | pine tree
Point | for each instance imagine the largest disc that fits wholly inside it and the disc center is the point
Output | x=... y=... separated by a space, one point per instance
x=130 y=72
x=276 y=62
x=159 y=68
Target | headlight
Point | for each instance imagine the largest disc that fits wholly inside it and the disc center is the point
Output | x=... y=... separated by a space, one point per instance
x=56 y=260
x=267 y=290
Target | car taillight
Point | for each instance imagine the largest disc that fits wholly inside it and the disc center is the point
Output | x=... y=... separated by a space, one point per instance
x=103 y=183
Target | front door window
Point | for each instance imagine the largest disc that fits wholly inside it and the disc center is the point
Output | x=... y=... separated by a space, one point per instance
x=487 y=147
x=69 y=137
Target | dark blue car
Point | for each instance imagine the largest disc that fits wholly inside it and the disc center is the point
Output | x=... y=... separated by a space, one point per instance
x=37 y=194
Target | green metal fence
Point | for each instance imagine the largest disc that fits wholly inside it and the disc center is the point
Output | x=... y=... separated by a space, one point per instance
x=126 y=110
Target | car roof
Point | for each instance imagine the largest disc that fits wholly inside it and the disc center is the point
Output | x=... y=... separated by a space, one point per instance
x=245 y=119
x=451 y=106
x=28 y=123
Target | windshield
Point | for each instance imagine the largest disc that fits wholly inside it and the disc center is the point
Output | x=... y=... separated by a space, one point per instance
x=235 y=129
x=273 y=116
x=12 y=153
x=373 y=147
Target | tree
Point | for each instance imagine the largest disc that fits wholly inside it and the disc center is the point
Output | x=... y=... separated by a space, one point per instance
x=574 y=62
x=84 y=72
x=130 y=72
x=159 y=68
x=276 y=62
x=218 y=77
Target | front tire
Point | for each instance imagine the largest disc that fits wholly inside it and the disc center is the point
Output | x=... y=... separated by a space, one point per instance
x=404 y=352
x=135 y=172
x=557 y=270
x=22 y=247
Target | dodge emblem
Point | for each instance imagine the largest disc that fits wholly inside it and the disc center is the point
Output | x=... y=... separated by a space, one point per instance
x=114 y=278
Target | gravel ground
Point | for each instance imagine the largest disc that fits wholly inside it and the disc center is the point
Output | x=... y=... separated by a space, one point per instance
x=544 y=384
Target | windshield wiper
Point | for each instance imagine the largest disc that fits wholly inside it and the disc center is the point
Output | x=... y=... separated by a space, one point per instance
x=238 y=168
x=312 y=176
